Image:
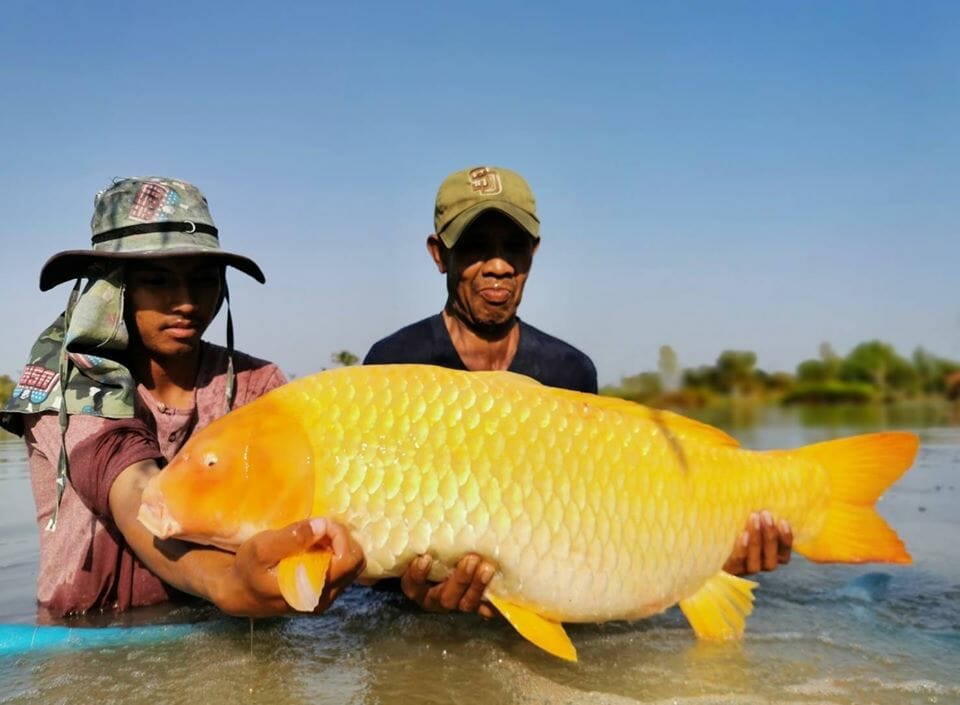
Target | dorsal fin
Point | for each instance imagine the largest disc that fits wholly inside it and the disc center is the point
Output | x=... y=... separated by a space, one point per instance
x=672 y=424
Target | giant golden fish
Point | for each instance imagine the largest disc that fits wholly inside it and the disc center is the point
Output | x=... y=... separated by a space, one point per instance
x=593 y=508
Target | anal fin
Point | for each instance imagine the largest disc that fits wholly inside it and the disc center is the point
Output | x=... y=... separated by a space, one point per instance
x=548 y=635
x=302 y=577
x=719 y=609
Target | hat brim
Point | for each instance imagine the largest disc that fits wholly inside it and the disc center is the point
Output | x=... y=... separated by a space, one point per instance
x=73 y=264
x=455 y=228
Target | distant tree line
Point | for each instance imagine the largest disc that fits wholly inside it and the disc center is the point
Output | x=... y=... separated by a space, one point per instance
x=872 y=371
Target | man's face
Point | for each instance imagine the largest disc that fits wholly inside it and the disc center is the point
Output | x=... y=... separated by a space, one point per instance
x=171 y=302
x=487 y=269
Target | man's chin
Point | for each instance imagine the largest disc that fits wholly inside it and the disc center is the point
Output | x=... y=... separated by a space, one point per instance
x=180 y=348
x=495 y=325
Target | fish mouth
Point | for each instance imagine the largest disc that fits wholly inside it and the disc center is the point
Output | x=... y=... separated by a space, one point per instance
x=154 y=516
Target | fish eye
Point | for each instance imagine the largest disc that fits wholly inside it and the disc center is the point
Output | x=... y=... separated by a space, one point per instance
x=210 y=459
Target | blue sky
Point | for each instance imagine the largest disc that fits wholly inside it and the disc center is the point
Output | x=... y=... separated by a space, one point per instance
x=748 y=175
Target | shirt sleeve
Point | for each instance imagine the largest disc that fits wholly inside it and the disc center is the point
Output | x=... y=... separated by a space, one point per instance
x=261 y=381
x=590 y=377
x=375 y=355
x=275 y=379
x=105 y=451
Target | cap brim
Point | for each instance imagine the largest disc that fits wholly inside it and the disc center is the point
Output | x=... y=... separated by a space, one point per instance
x=455 y=229
x=73 y=264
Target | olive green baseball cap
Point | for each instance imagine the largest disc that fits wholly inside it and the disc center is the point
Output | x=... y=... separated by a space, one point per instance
x=146 y=218
x=464 y=195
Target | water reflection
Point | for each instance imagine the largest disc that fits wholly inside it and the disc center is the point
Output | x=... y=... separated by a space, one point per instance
x=736 y=417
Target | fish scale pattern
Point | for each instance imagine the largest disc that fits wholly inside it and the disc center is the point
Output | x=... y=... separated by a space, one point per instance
x=592 y=510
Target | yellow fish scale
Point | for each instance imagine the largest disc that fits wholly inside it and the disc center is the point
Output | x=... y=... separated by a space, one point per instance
x=593 y=509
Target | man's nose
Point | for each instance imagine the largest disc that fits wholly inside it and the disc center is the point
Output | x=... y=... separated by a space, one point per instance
x=499 y=265
x=182 y=295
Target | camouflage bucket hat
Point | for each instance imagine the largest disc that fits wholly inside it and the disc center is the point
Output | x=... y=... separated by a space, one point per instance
x=146 y=218
x=464 y=195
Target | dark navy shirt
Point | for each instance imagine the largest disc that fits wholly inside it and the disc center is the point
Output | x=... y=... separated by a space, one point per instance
x=547 y=359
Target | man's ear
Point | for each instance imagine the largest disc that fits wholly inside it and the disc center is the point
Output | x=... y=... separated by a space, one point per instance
x=438 y=252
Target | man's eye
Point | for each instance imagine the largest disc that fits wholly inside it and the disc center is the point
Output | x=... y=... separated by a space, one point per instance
x=516 y=245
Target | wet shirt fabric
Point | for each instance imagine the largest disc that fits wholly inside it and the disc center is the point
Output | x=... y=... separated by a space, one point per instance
x=548 y=360
x=85 y=563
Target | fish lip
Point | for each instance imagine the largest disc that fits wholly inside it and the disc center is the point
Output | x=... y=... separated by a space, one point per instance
x=154 y=516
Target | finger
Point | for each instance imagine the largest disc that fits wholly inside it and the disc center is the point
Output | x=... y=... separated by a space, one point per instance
x=455 y=587
x=471 y=600
x=736 y=563
x=413 y=583
x=486 y=610
x=348 y=560
x=431 y=600
x=269 y=547
x=755 y=545
x=785 y=546
x=770 y=538
x=332 y=534
x=345 y=569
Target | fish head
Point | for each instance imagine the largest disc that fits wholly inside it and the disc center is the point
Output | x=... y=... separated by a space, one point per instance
x=248 y=471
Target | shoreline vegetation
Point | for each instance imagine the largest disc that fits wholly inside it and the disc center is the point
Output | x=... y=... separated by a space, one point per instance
x=872 y=373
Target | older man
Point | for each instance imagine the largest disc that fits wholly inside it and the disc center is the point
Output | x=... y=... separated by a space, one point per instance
x=487 y=234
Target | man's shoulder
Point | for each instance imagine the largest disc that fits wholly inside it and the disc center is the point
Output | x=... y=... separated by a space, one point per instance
x=254 y=376
x=215 y=359
x=553 y=361
x=552 y=344
x=411 y=344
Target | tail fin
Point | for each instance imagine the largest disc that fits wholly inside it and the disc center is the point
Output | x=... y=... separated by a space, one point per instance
x=860 y=468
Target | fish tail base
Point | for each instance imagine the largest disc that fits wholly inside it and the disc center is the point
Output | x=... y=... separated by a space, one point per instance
x=860 y=469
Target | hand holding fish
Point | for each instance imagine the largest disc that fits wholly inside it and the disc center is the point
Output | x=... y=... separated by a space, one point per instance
x=245 y=583
x=461 y=591
x=762 y=546
x=250 y=588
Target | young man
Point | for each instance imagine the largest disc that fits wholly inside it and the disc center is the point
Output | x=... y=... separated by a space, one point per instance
x=486 y=234
x=117 y=385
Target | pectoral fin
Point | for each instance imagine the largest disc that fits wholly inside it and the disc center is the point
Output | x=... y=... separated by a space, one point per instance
x=549 y=636
x=719 y=609
x=302 y=578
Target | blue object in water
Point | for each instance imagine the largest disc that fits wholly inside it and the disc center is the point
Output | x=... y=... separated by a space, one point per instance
x=869 y=587
x=17 y=639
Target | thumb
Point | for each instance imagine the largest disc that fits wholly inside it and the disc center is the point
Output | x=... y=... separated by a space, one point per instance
x=272 y=546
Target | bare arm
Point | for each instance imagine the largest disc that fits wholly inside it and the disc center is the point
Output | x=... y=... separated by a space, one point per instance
x=243 y=583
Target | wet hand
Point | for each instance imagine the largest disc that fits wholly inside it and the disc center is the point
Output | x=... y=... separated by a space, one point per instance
x=250 y=587
x=462 y=590
x=763 y=546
